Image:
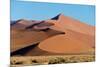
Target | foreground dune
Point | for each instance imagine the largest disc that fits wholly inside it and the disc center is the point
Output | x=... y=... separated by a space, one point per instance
x=62 y=44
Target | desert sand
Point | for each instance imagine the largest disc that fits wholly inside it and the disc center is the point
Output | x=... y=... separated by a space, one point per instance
x=58 y=35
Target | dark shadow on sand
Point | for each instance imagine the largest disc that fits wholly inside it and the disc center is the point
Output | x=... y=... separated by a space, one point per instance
x=23 y=51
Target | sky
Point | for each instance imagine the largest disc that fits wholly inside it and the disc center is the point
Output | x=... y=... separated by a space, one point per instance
x=44 y=11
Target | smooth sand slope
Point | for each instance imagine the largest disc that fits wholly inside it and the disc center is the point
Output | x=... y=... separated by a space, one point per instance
x=62 y=44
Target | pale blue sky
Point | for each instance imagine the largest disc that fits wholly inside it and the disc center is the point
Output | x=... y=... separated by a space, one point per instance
x=43 y=11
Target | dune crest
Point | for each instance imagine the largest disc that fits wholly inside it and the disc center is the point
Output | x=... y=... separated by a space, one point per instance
x=65 y=22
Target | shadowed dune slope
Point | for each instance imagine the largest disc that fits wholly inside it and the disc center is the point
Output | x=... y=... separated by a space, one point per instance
x=20 y=39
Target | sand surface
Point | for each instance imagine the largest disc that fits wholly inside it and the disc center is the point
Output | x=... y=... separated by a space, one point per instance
x=63 y=35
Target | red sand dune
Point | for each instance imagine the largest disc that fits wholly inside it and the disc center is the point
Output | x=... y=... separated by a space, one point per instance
x=78 y=38
x=65 y=44
x=24 y=38
x=64 y=22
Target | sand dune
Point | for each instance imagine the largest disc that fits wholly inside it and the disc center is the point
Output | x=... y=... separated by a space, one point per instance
x=20 y=39
x=75 y=29
x=58 y=35
x=65 y=22
x=63 y=44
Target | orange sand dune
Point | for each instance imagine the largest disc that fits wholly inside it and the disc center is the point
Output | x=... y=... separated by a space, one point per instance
x=64 y=22
x=20 y=39
x=65 y=44
x=59 y=35
x=75 y=29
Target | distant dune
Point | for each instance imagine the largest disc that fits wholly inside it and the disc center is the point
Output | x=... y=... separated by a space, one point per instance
x=58 y=35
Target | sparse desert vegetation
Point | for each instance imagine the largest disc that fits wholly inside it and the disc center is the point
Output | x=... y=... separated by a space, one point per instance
x=37 y=60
